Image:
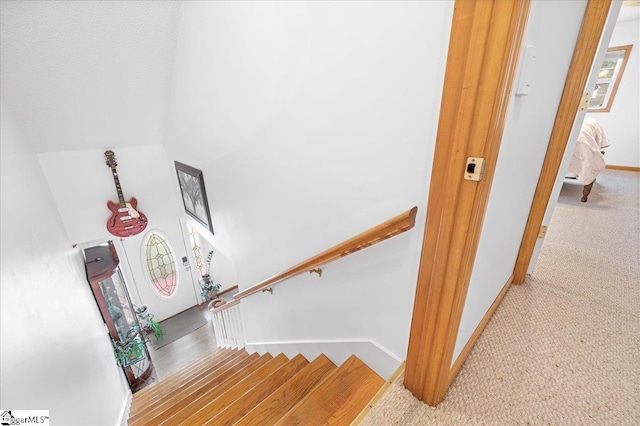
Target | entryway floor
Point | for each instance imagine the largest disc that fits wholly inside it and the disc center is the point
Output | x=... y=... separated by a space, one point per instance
x=171 y=357
x=187 y=349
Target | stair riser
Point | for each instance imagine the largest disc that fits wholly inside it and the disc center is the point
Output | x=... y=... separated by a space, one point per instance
x=171 y=389
x=182 y=397
x=168 y=385
x=235 y=392
x=247 y=390
x=291 y=392
x=182 y=411
x=254 y=396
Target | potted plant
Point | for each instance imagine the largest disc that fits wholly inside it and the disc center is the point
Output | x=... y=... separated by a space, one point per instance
x=206 y=284
x=155 y=328
x=131 y=350
x=149 y=325
x=207 y=276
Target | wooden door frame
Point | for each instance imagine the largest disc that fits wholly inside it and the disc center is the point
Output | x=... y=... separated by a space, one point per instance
x=484 y=48
x=485 y=42
x=593 y=24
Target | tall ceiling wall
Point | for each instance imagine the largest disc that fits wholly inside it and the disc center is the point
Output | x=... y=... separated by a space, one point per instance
x=88 y=75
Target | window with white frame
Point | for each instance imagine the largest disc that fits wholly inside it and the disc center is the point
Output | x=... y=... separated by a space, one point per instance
x=609 y=77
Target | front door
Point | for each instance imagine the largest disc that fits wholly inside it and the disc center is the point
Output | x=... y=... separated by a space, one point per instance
x=158 y=278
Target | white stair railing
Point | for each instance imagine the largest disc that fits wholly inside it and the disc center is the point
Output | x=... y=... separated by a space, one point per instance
x=228 y=325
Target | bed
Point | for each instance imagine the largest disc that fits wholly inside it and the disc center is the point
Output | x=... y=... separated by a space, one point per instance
x=587 y=160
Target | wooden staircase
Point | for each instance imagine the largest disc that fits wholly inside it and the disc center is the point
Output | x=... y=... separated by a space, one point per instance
x=231 y=387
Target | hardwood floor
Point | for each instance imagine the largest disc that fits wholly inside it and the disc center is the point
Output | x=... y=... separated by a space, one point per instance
x=185 y=350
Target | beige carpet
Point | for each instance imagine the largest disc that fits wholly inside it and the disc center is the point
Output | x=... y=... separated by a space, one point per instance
x=563 y=348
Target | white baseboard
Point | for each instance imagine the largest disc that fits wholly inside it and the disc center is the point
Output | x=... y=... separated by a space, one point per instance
x=126 y=408
x=378 y=358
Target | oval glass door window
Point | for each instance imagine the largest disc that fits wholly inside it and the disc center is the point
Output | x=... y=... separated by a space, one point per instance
x=160 y=264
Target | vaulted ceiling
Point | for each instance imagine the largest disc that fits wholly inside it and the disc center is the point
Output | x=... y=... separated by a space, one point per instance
x=88 y=74
x=93 y=74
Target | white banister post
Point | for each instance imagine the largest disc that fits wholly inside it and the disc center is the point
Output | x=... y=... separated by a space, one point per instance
x=228 y=327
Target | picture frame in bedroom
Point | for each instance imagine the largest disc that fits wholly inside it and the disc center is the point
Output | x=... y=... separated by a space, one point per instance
x=194 y=195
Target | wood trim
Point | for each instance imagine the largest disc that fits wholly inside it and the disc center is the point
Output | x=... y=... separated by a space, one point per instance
x=227 y=290
x=627 y=48
x=626 y=168
x=593 y=23
x=226 y=306
x=478 y=331
x=390 y=228
x=376 y=398
x=485 y=41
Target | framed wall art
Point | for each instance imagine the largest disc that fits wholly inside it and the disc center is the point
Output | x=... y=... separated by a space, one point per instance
x=194 y=196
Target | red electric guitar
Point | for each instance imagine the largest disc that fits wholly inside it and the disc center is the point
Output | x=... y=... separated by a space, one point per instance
x=125 y=220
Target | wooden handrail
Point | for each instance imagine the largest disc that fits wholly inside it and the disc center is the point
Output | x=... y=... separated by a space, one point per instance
x=225 y=306
x=392 y=227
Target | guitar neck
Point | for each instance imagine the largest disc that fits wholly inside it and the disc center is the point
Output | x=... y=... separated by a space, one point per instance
x=118 y=187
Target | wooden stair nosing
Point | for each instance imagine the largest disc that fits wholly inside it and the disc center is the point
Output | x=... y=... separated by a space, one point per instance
x=289 y=394
x=170 y=388
x=186 y=408
x=204 y=359
x=145 y=408
x=378 y=396
x=340 y=397
x=167 y=384
x=179 y=397
x=227 y=398
x=256 y=394
x=177 y=389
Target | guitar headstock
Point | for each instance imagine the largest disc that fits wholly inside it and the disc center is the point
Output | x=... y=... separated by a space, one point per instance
x=110 y=159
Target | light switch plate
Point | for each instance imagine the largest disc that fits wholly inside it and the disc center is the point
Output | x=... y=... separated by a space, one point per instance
x=474 y=170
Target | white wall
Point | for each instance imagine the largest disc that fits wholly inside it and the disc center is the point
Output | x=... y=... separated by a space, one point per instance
x=621 y=123
x=56 y=353
x=552 y=28
x=87 y=74
x=81 y=184
x=313 y=121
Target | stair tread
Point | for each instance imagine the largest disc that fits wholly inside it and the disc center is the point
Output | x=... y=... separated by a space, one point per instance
x=188 y=406
x=256 y=394
x=286 y=396
x=232 y=394
x=167 y=391
x=340 y=397
x=169 y=385
x=178 y=398
x=235 y=388
x=193 y=386
x=205 y=359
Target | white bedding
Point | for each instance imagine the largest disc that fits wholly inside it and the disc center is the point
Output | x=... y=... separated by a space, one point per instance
x=587 y=160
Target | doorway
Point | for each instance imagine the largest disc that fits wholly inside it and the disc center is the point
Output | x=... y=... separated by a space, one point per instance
x=155 y=271
x=455 y=219
x=612 y=121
